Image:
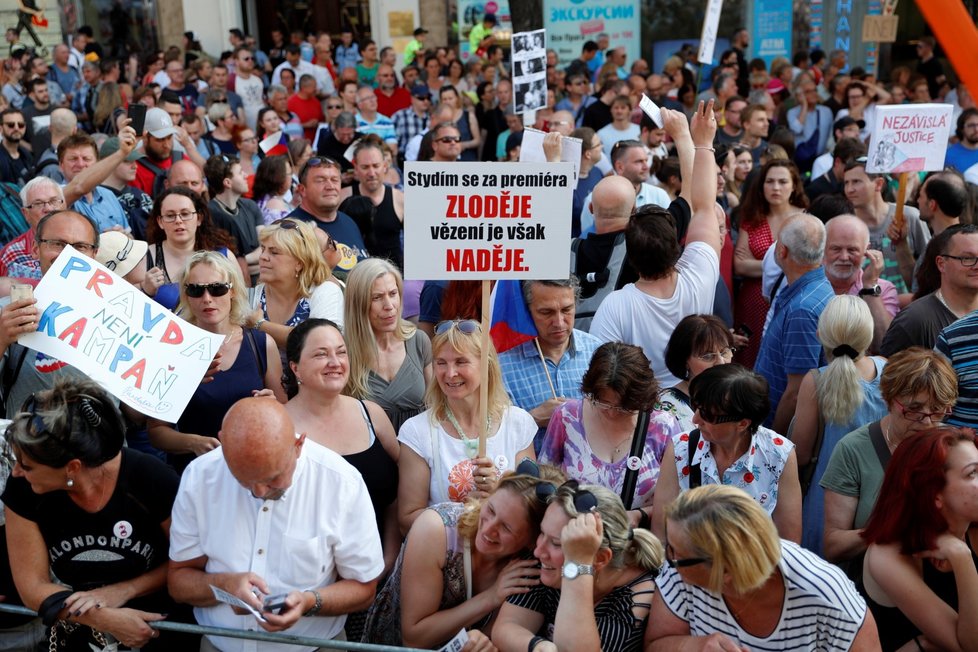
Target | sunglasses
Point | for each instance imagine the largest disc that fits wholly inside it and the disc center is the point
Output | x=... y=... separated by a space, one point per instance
x=196 y=290
x=15 y=125
x=334 y=107
x=286 y=223
x=318 y=162
x=448 y=139
x=466 y=326
x=707 y=415
x=680 y=563
x=584 y=500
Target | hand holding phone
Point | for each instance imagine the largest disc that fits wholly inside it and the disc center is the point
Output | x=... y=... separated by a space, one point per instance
x=19 y=292
x=275 y=603
x=137 y=113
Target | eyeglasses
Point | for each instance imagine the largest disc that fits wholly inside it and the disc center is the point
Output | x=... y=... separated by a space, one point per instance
x=966 y=261
x=252 y=139
x=918 y=416
x=708 y=415
x=714 y=356
x=601 y=405
x=58 y=245
x=46 y=204
x=196 y=290
x=334 y=107
x=681 y=563
x=183 y=216
x=366 y=98
x=246 y=58
x=330 y=243
x=466 y=326
x=448 y=139
x=15 y=125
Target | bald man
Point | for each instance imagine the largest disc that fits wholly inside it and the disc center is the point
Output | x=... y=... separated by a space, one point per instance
x=186 y=173
x=269 y=513
x=562 y=122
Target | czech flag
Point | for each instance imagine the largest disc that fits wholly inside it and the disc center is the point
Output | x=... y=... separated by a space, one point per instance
x=275 y=145
x=510 y=321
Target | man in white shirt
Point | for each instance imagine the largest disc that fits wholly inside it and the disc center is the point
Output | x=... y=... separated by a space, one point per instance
x=248 y=85
x=268 y=513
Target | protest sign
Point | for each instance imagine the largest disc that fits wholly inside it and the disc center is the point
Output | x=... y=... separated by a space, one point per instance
x=708 y=37
x=472 y=221
x=529 y=71
x=139 y=351
x=909 y=138
x=531 y=151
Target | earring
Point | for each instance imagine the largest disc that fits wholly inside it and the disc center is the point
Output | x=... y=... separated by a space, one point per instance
x=298 y=381
x=69 y=483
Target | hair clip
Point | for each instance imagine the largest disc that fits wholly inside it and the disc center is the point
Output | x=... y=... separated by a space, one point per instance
x=91 y=416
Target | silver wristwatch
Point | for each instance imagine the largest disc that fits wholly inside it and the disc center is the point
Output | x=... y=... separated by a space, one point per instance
x=572 y=570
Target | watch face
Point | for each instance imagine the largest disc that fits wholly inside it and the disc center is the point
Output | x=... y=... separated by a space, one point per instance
x=571 y=570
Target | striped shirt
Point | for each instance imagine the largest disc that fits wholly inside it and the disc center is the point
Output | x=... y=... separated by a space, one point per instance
x=959 y=345
x=822 y=610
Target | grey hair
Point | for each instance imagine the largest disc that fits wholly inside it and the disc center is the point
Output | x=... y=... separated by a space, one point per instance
x=37 y=182
x=276 y=88
x=345 y=119
x=804 y=236
x=572 y=282
x=217 y=111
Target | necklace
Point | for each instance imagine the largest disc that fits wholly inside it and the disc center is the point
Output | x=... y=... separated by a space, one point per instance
x=619 y=445
x=471 y=445
x=886 y=436
x=940 y=297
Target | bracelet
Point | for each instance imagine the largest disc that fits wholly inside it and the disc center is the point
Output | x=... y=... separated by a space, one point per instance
x=259 y=323
x=644 y=521
x=709 y=147
x=916 y=639
x=316 y=607
x=536 y=640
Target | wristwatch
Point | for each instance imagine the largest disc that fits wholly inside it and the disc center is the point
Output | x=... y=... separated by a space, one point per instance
x=874 y=291
x=259 y=323
x=572 y=570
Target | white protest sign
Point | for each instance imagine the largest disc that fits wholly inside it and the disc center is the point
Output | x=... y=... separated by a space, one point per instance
x=472 y=221
x=139 y=351
x=652 y=110
x=529 y=56
x=909 y=138
x=708 y=38
x=531 y=151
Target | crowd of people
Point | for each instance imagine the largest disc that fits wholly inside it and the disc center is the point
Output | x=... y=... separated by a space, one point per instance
x=745 y=421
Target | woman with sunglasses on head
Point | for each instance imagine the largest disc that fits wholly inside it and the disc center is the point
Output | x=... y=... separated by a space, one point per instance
x=919 y=387
x=730 y=446
x=730 y=583
x=591 y=439
x=213 y=297
x=921 y=572
x=292 y=282
x=597 y=578
x=390 y=359
x=460 y=562
x=179 y=225
x=103 y=512
x=440 y=459
x=699 y=342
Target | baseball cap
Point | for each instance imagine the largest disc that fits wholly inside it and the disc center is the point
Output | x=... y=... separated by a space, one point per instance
x=775 y=86
x=111 y=146
x=844 y=122
x=420 y=31
x=158 y=123
x=421 y=91
x=119 y=252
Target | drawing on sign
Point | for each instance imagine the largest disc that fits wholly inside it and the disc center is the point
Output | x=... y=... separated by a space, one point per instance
x=529 y=71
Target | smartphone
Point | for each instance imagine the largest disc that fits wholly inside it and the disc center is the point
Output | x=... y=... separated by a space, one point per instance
x=19 y=292
x=275 y=603
x=137 y=113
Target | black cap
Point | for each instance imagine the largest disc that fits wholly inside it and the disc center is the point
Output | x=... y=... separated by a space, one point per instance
x=420 y=31
x=490 y=18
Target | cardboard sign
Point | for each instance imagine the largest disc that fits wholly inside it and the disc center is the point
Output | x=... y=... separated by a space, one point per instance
x=139 y=351
x=531 y=151
x=472 y=221
x=708 y=37
x=909 y=138
x=880 y=29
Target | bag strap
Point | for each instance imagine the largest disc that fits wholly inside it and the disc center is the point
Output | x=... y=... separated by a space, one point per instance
x=808 y=471
x=879 y=443
x=695 y=473
x=638 y=447
x=467 y=568
x=262 y=362
x=10 y=374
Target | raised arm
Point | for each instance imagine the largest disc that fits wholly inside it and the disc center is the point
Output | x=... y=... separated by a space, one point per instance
x=677 y=126
x=703 y=227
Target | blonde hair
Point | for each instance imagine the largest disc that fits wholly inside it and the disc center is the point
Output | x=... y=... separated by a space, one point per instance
x=629 y=547
x=471 y=344
x=301 y=243
x=525 y=488
x=728 y=527
x=231 y=273
x=846 y=320
x=361 y=343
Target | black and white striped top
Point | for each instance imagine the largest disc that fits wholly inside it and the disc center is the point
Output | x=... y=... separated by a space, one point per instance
x=822 y=609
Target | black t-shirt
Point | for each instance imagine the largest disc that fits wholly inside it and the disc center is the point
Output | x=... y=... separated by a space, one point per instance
x=16 y=170
x=121 y=542
x=138 y=205
x=597 y=115
x=343 y=230
x=242 y=225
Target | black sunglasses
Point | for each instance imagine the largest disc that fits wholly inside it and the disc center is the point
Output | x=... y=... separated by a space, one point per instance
x=467 y=326
x=708 y=415
x=196 y=290
x=286 y=223
x=680 y=563
x=318 y=162
x=584 y=500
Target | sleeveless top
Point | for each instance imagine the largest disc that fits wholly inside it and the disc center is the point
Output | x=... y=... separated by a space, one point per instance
x=465 y=131
x=379 y=471
x=403 y=396
x=387 y=228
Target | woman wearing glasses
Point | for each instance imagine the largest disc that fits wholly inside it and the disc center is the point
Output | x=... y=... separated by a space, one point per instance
x=390 y=359
x=292 y=282
x=103 y=510
x=179 y=225
x=213 y=297
x=246 y=143
x=440 y=459
x=459 y=564
x=730 y=583
x=597 y=578
x=835 y=399
x=591 y=439
x=919 y=387
x=921 y=578
x=730 y=446
x=699 y=342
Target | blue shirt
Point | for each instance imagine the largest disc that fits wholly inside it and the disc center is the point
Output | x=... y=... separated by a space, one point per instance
x=344 y=231
x=959 y=345
x=104 y=209
x=960 y=157
x=789 y=345
x=527 y=384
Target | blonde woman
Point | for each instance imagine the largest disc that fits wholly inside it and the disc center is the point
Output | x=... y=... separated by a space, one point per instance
x=439 y=458
x=213 y=297
x=390 y=359
x=835 y=399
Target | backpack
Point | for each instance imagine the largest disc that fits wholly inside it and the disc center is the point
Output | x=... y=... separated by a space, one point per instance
x=159 y=180
x=12 y=222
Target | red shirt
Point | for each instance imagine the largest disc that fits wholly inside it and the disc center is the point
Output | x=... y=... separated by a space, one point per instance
x=307 y=110
x=145 y=177
x=399 y=99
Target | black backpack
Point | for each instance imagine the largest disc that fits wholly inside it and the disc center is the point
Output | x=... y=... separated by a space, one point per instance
x=159 y=180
